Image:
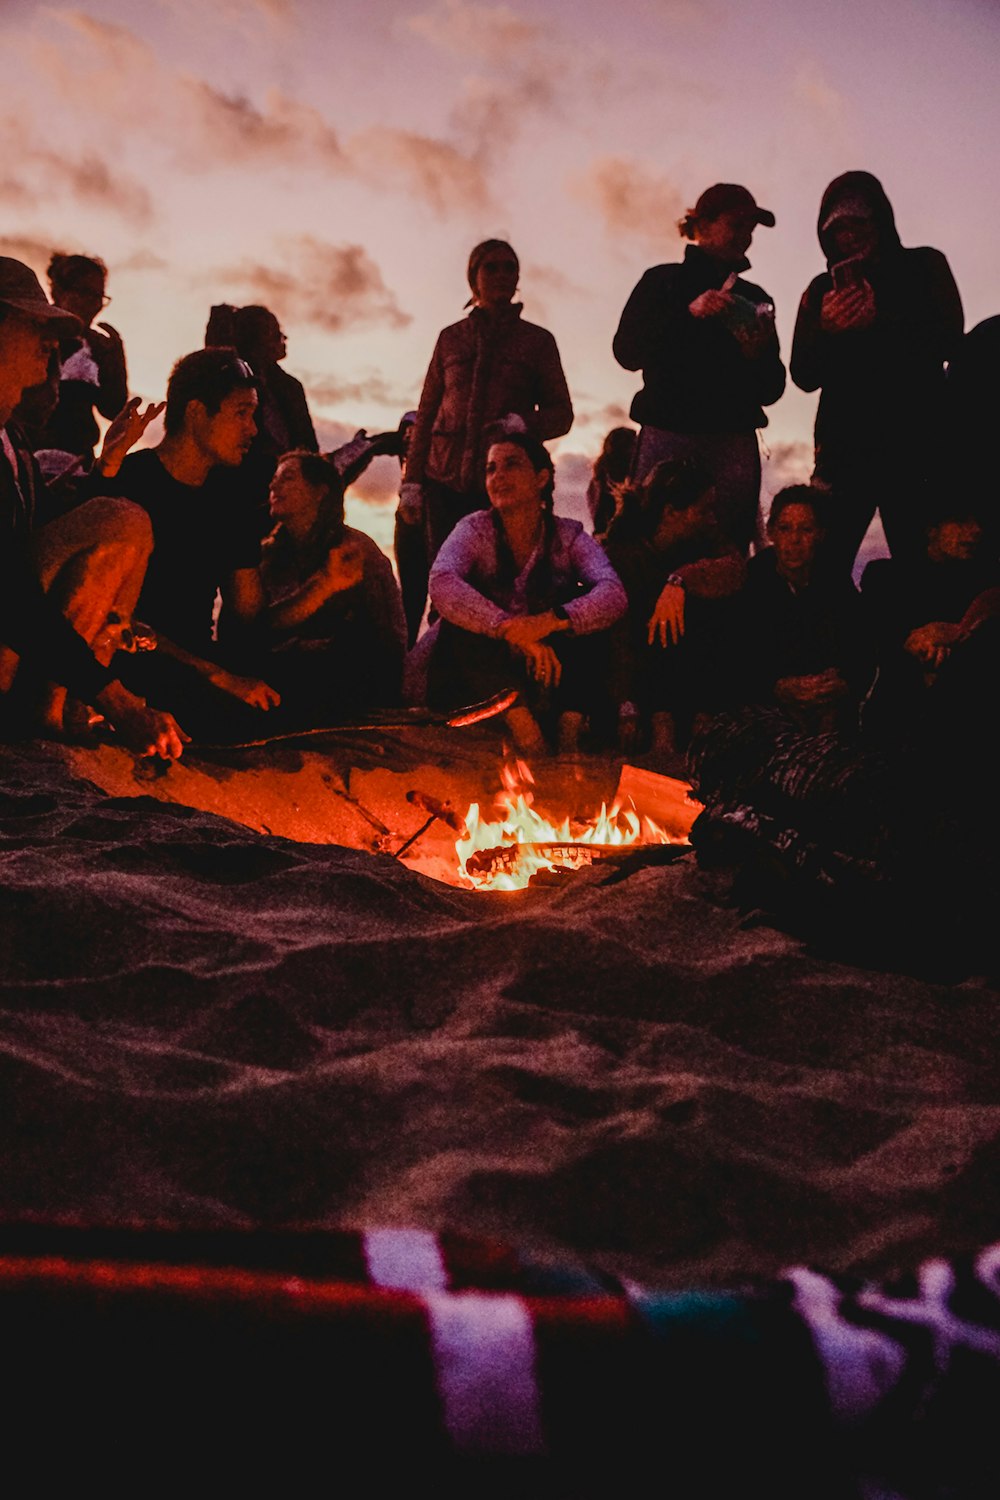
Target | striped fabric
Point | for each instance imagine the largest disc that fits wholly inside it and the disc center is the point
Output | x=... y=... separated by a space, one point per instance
x=399 y=1344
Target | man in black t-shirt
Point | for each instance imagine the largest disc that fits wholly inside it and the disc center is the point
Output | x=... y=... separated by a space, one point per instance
x=205 y=532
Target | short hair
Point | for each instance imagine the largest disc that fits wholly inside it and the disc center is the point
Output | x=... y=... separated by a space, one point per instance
x=250 y=324
x=954 y=505
x=208 y=376
x=798 y=494
x=674 y=484
x=535 y=449
x=68 y=271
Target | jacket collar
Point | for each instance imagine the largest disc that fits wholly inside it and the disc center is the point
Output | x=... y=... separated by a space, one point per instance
x=709 y=271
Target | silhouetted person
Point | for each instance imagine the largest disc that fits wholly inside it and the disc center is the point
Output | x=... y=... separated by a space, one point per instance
x=705 y=341
x=61 y=583
x=802 y=631
x=873 y=334
x=973 y=390
x=334 y=630
x=492 y=365
x=612 y=468
x=673 y=655
x=526 y=599
x=92 y=363
x=914 y=609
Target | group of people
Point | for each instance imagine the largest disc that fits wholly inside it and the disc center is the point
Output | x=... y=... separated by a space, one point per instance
x=228 y=540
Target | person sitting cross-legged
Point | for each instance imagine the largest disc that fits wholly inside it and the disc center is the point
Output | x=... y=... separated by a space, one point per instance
x=526 y=599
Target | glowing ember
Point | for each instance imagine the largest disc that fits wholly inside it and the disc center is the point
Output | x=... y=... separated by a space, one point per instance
x=503 y=854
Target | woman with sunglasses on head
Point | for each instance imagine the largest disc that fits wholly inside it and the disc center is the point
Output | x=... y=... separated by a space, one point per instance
x=490 y=366
x=93 y=370
x=526 y=600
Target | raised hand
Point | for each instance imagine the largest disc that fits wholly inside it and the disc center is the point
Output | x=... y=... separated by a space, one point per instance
x=125 y=431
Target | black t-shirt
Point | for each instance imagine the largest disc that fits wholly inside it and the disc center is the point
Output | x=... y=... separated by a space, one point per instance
x=201 y=535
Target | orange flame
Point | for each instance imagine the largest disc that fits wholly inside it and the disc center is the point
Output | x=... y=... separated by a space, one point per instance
x=520 y=823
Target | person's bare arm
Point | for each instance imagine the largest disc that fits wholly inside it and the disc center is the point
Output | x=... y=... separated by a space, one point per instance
x=343 y=569
x=251 y=690
x=147 y=731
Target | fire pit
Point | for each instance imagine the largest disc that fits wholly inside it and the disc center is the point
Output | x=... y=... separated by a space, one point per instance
x=523 y=843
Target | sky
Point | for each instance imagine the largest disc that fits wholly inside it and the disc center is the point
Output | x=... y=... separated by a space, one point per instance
x=337 y=160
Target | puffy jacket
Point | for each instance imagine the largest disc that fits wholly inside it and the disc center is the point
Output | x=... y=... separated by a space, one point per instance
x=696 y=376
x=487 y=365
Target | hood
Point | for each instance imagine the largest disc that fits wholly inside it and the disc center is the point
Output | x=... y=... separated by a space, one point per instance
x=864 y=186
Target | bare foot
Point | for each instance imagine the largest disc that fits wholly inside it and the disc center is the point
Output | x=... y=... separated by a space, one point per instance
x=524 y=727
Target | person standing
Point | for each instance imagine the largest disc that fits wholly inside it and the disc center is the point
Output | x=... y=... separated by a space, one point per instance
x=705 y=341
x=491 y=366
x=872 y=335
x=92 y=373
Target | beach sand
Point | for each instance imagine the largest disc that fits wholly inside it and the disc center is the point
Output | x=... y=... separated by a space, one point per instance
x=206 y=1025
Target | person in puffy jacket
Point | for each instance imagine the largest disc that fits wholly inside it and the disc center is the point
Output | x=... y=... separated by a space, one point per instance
x=491 y=366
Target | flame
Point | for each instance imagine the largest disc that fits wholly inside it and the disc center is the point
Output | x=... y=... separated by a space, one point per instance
x=520 y=823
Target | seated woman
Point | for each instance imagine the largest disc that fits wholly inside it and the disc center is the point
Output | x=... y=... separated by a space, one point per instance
x=802 y=628
x=526 y=599
x=673 y=655
x=334 y=627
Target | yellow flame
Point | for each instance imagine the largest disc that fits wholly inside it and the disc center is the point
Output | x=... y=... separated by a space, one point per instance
x=520 y=823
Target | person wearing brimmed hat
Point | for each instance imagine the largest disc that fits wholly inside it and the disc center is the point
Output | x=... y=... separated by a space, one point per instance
x=492 y=365
x=705 y=341
x=92 y=560
x=872 y=335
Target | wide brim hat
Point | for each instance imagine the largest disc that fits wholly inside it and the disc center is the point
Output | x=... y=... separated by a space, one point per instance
x=731 y=197
x=21 y=290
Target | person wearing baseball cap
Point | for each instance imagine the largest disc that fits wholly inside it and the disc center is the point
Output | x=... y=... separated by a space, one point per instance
x=94 y=556
x=705 y=341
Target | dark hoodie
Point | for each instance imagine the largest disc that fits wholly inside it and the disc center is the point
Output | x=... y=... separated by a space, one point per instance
x=883 y=385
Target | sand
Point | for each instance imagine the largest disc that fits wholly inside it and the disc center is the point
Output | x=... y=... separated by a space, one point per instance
x=207 y=1025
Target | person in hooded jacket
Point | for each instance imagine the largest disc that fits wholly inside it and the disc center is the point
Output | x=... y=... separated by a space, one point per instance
x=873 y=334
x=705 y=341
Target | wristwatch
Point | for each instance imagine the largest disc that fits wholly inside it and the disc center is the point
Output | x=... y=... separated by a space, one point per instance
x=676 y=580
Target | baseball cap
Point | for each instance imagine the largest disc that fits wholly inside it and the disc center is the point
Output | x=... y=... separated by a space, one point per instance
x=21 y=290
x=730 y=197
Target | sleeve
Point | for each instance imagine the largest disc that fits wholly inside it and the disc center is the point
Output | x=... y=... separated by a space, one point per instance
x=806 y=363
x=554 y=416
x=112 y=390
x=714 y=577
x=451 y=593
x=937 y=328
x=33 y=627
x=654 y=310
x=383 y=599
x=768 y=372
x=603 y=600
x=423 y=427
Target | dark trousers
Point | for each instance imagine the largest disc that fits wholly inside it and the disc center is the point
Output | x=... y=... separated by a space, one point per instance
x=466 y=667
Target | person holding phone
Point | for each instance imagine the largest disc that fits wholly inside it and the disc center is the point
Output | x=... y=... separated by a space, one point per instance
x=872 y=335
x=705 y=341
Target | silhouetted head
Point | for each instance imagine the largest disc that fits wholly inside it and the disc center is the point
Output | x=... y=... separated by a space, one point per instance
x=674 y=502
x=615 y=458
x=723 y=220
x=856 y=221
x=79 y=284
x=30 y=329
x=493 y=273
x=258 y=336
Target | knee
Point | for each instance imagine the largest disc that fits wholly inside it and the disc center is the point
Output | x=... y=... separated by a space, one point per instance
x=116 y=523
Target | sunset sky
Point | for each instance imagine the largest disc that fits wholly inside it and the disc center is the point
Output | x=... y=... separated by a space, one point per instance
x=337 y=159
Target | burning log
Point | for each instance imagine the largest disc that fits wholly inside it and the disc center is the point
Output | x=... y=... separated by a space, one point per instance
x=503 y=859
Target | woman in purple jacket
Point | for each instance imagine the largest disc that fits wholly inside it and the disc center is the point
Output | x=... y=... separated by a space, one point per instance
x=526 y=600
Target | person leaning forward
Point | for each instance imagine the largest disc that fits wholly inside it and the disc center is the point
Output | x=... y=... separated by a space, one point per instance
x=60 y=583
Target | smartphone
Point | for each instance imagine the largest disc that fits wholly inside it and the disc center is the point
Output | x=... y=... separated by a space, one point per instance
x=847 y=276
